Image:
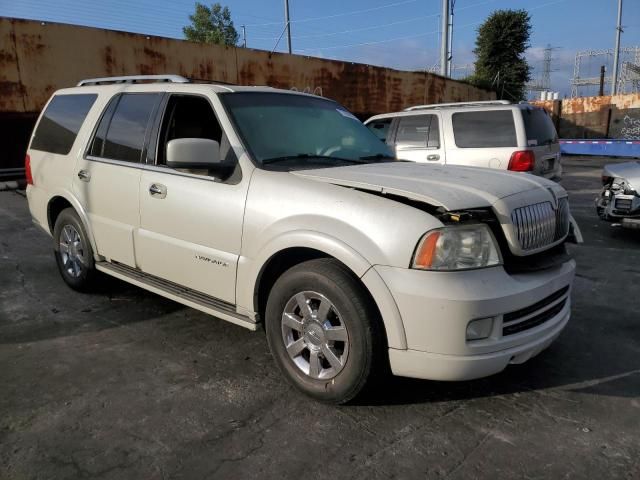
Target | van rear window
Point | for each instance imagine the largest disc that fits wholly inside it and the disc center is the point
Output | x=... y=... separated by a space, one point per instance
x=486 y=129
x=539 y=127
x=61 y=121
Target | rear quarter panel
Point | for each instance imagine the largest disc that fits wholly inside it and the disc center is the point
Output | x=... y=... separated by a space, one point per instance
x=53 y=173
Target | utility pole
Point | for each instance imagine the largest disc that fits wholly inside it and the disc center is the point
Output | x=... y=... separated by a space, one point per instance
x=601 y=89
x=450 y=52
x=244 y=36
x=444 y=44
x=287 y=24
x=616 y=53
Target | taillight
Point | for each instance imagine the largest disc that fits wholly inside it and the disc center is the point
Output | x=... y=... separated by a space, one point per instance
x=27 y=170
x=522 y=161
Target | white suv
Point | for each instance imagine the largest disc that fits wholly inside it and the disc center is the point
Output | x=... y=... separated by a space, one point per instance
x=490 y=134
x=258 y=205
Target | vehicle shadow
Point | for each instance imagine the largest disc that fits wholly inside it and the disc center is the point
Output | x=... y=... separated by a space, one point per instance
x=538 y=374
x=63 y=312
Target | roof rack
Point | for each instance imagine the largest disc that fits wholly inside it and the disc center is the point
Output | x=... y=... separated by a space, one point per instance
x=133 y=79
x=458 y=104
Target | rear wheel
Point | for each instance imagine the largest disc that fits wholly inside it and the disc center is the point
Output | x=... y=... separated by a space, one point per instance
x=73 y=251
x=324 y=331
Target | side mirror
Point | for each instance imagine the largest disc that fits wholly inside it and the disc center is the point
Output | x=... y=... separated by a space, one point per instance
x=196 y=153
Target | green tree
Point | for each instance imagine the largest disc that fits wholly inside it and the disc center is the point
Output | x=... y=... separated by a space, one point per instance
x=211 y=25
x=500 y=46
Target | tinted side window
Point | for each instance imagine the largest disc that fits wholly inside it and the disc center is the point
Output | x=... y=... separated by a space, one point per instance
x=127 y=128
x=493 y=128
x=61 y=122
x=188 y=116
x=434 y=133
x=413 y=131
x=539 y=127
x=97 y=146
x=380 y=128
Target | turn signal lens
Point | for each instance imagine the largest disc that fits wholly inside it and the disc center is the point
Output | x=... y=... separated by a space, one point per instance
x=427 y=250
x=522 y=161
x=457 y=248
x=27 y=170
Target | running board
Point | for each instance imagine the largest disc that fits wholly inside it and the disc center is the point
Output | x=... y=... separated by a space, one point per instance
x=186 y=296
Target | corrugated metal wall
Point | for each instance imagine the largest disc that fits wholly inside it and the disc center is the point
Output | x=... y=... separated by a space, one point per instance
x=596 y=117
x=36 y=59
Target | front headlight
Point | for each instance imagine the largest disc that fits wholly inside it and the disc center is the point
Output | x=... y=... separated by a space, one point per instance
x=457 y=248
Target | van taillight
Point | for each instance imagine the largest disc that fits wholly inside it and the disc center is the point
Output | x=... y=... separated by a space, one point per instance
x=522 y=161
x=27 y=170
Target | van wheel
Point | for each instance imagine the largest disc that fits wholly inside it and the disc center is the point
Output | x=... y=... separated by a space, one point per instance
x=73 y=252
x=324 y=331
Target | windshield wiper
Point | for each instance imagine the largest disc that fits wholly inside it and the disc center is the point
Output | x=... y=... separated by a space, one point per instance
x=378 y=156
x=285 y=158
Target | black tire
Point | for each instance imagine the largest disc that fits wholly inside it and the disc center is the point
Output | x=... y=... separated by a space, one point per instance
x=81 y=278
x=357 y=313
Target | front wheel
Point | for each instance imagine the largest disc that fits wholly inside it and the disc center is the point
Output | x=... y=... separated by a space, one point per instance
x=324 y=331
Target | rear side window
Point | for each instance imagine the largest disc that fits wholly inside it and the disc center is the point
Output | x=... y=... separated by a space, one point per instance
x=420 y=131
x=61 y=122
x=539 y=127
x=123 y=127
x=380 y=128
x=492 y=128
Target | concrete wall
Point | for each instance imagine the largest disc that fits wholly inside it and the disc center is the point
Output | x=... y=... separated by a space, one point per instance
x=596 y=117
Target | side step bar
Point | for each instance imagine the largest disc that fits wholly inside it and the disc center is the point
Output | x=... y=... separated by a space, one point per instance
x=186 y=296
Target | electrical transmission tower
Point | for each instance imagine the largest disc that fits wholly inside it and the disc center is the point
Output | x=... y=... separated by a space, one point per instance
x=629 y=80
x=543 y=83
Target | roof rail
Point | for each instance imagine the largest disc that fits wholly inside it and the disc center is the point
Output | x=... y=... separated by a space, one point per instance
x=133 y=79
x=458 y=104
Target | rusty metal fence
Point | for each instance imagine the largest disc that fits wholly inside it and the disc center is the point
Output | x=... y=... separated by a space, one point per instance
x=37 y=58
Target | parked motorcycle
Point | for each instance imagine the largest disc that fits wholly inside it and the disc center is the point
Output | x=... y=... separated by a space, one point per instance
x=619 y=200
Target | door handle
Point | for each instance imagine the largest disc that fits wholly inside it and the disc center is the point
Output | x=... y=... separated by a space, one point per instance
x=157 y=190
x=433 y=157
x=84 y=175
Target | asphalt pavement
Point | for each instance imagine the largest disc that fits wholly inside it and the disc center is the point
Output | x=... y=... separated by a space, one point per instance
x=123 y=384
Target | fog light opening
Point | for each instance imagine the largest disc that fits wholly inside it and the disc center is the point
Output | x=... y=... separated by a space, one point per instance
x=480 y=328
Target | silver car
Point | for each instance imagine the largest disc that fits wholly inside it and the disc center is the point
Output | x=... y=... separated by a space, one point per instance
x=492 y=134
x=619 y=200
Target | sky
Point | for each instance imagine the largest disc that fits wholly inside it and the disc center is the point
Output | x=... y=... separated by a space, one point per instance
x=401 y=34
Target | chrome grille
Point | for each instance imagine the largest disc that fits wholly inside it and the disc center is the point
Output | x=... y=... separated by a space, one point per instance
x=539 y=225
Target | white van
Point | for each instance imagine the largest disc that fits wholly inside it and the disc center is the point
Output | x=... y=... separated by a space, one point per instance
x=493 y=134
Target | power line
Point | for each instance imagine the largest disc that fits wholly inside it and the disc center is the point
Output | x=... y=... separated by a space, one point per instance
x=405 y=37
x=375 y=27
x=354 y=12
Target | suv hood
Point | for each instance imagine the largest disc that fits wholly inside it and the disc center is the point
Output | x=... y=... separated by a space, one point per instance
x=450 y=187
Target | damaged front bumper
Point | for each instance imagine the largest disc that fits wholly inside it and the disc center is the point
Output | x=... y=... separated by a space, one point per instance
x=619 y=202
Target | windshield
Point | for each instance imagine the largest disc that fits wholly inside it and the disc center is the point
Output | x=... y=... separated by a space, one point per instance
x=539 y=127
x=298 y=130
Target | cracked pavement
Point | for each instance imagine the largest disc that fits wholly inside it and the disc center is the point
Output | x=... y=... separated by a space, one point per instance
x=122 y=384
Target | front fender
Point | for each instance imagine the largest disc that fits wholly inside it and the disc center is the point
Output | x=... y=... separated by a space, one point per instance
x=250 y=269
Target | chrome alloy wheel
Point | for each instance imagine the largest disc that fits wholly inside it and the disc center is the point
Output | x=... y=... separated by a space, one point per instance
x=71 y=251
x=314 y=335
